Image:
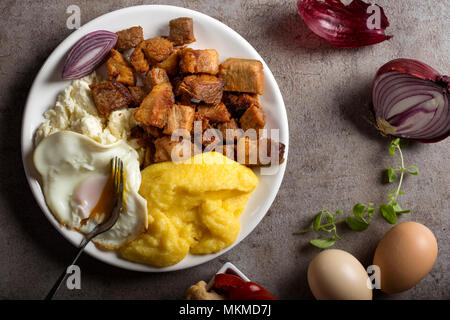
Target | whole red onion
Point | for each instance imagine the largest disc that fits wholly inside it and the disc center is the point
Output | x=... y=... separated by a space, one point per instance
x=411 y=101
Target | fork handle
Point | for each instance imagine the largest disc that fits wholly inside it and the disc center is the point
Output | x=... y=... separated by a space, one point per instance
x=63 y=275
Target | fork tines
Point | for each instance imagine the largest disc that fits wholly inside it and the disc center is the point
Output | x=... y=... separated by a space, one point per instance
x=117 y=174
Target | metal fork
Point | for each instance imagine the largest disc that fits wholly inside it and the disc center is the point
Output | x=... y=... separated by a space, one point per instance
x=117 y=177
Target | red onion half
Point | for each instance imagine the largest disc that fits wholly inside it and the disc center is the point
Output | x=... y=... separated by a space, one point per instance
x=411 y=101
x=347 y=26
x=87 y=53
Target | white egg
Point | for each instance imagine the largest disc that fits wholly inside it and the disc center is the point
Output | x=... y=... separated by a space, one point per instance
x=75 y=171
x=337 y=275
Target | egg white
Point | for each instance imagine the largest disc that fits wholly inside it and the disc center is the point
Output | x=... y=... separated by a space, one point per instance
x=65 y=159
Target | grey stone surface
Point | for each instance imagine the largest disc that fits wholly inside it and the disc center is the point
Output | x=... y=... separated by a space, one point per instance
x=336 y=158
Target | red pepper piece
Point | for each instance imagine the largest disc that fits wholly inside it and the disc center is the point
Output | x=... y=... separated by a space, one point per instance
x=238 y=289
x=226 y=282
x=250 y=291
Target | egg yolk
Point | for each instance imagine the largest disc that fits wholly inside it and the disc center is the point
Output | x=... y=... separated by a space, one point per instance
x=93 y=199
x=105 y=204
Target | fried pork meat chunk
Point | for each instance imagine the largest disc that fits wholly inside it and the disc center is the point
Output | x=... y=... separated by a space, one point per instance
x=150 y=52
x=238 y=103
x=179 y=117
x=242 y=75
x=138 y=60
x=260 y=152
x=153 y=109
x=149 y=155
x=199 y=61
x=214 y=112
x=181 y=31
x=142 y=135
x=165 y=149
x=155 y=76
x=204 y=122
x=153 y=132
x=129 y=38
x=171 y=63
x=119 y=70
x=253 y=118
x=157 y=49
x=228 y=150
x=202 y=87
x=138 y=94
x=230 y=131
x=109 y=96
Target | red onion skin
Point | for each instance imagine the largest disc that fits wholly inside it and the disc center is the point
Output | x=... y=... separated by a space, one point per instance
x=419 y=70
x=349 y=22
x=410 y=66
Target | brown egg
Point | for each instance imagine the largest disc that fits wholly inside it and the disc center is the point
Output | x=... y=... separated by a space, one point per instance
x=337 y=275
x=405 y=255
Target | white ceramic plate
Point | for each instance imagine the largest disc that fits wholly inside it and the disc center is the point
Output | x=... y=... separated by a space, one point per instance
x=154 y=19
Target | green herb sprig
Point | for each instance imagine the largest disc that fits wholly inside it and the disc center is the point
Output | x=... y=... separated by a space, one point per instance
x=362 y=214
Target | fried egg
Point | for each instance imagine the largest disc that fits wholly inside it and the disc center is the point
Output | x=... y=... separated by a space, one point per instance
x=76 y=183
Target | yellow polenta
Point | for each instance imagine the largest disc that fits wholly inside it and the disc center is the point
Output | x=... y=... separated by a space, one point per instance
x=193 y=206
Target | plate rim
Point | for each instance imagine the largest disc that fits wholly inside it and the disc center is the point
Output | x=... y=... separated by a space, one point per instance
x=134 y=266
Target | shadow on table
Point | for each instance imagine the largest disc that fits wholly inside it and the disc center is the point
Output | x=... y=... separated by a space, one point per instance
x=355 y=105
x=291 y=31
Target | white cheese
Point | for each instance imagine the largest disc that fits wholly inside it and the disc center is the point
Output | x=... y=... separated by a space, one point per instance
x=75 y=110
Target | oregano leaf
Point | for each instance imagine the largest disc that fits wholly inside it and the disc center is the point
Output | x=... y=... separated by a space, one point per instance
x=358 y=209
x=388 y=213
x=413 y=170
x=317 y=220
x=391 y=175
x=357 y=224
x=323 y=243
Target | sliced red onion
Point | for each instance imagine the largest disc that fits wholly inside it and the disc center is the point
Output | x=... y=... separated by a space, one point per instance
x=411 y=101
x=88 y=53
x=345 y=26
